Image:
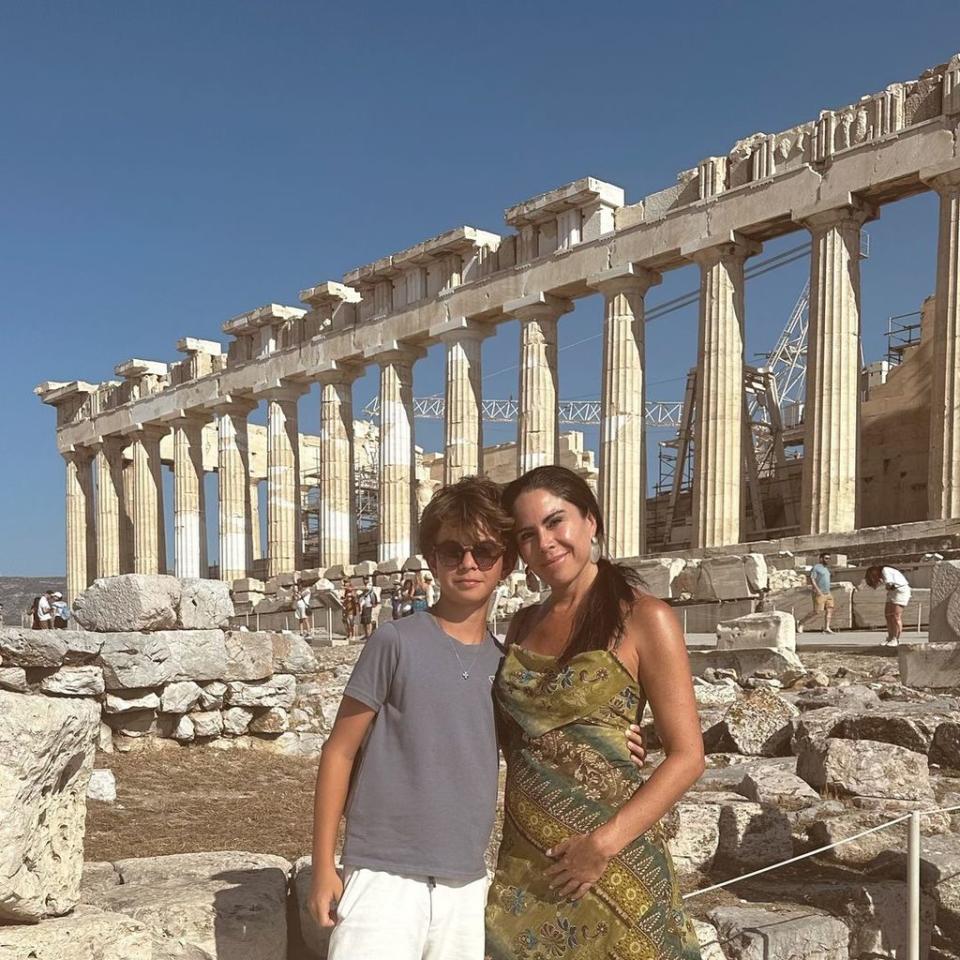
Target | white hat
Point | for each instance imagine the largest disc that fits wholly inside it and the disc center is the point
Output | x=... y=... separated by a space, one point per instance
x=58 y=596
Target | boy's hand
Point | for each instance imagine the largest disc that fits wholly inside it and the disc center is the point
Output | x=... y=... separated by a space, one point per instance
x=325 y=893
x=638 y=752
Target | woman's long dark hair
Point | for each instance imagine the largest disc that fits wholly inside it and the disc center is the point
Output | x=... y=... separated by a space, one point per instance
x=600 y=621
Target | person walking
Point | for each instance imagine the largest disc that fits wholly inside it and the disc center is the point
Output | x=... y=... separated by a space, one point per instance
x=898 y=597
x=350 y=610
x=822 y=598
x=301 y=598
x=369 y=598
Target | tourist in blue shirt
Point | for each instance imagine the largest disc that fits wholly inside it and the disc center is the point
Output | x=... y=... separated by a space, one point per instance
x=822 y=598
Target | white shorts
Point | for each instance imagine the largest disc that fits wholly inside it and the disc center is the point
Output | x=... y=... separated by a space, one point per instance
x=383 y=915
x=900 y=596
x=301 y=610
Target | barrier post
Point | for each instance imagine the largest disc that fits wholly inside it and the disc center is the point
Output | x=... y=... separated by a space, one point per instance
x=684 y=621
x=920 y=617
x=913 y=888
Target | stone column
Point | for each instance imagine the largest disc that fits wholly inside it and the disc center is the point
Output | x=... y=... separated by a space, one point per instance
x=149 y=538
x=463 y=414
x=623 y=462
x=538 y=439
x=337 y=521
x=108 y=468
x=828 y=498
x=256 y=537
x=233 y=466
x=398 y=499
x=283 y=480
x=943 y=485
x=126 y=516
x=718 y=431
x=189 y=506
x=81 y=537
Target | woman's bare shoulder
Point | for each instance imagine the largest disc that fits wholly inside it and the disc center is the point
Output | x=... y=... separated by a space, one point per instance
x=519 y=621
x=651 y=619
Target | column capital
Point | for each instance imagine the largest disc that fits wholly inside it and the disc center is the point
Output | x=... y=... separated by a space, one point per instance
x=146 y=431
x=629 y=278
x=79 y=454
x=823 y=216
x=283 y=390
x=455 y=329
x=538 y=306
x=942 y=177
x=709 y=250
x=335 y=371
x=181 y=416
x=232 y=404
x=394 y=351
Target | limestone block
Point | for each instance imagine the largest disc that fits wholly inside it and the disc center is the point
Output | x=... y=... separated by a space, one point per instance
x=86 y=933
x=386 y=566
x=878 y=920
x=136 y=723
x=758 y=724
x=722 y=578
x=47 y=747
x=279 y=691
x=105 y=738
x=752 y=835
x=207 y=723
x=854 y=697
x=778 y=932
x=934 y=666
x=306 y=746
x=693 y=834
x=177 y=727
x=212 y=694
x=775 y=631
x=315 y=937
x=102 y=786
x=248 y=585
x=136 y=660
x=204 y=604
x=415 y=564
x=291 y=654
x=715 y=694
x=773 y=785
x=31 y=648
x=660 y=575
x=910 y=725
x=82 y=646
x=945 y=747
x=365 y=568
x=13 y=678
x=865 y=768
x=945 y=602
x=231 y=906
x=74 y=682
x=755 y=568
x=249 y=655
x=783 y=664
x=799 y=602
x=180 y=697
x=132 y=601
x=310 y=576
x=868 y=606
x=272 y=720
x=849 y=823
x=340 y=571
x=704 y=617
x=198 y=655
x=130 y=701
x=236 y=721
x=709 y=939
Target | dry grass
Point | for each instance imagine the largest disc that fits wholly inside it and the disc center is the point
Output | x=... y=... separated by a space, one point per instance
x=191 y=800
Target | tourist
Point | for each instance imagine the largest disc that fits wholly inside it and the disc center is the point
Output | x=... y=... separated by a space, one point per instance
x=369 y=598
x=396 y=601
x=898 y=597
x=419 y=598
x=414 y=875
x=60 y=610
x=430 y=589
x=406 y=598
x=583 y=852
x=350 y=610
x=43 y=617
x=301 y=596
x=821 y=596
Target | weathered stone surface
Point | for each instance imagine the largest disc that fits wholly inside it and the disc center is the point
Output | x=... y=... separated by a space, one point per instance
x=292 y=654
x=236 y=720
x=249 y=655
x=799 y=602
x=776 y=786
x=136 y=723
x=777 y=932
x=865 y=768
x=13 y=678
x=178 y=727
x=74 y=682
x=207 y=723
x=853 y=697
x=752 y=835
x=709 y=939
x=86 y=934
x=815 y=726
x=755 y=568
x=659 y=575
x=31 y=648
x=758 y=724
x=782 y=664
x=722 y=578
x=230 y=905
x=132 y=700
x=945 y=748
x=878 y=920
x=199 y=655
x=82 y=646
x=775 y=630
x=130 y=602
x=715 y=694
x=132 y=661
x=274 y=720
x=204 y=604
x=315 y=937
x=212 y=694
x=945 y=602
x=869 y=604
x=102 y=786
x=46 y=754
x=693 y=832
x=860 y=852
x=180 y=697
x=279 y=691
x=910 y=725
x=306 y=746
x=934 y=666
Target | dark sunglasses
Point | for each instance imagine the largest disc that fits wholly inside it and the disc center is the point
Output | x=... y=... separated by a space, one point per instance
x=451 y=554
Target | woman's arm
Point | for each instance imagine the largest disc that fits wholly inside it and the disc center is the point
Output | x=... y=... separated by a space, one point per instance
x=664 y=673
x=333 y=781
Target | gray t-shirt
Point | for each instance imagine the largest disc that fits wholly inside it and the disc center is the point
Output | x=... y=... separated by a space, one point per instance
x=820 y=576
x=424 y=795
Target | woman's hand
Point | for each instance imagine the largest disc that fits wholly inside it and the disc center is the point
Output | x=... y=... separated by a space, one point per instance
x=580 y=864
x=325 y=893
x=635 y=744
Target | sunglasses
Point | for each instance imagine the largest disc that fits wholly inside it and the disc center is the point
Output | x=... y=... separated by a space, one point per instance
x=485 y=554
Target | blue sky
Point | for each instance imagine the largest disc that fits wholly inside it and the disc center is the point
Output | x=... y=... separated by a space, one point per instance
x=166 y=166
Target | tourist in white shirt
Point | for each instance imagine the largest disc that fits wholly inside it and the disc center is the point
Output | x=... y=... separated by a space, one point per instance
x=898 y=596
x=45 y=611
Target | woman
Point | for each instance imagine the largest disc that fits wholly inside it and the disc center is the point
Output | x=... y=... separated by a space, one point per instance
x=583 y=869
x=350 y=610
x=420 y=601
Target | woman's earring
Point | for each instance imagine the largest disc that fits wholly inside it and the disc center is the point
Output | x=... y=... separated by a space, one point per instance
x=594 y=550
x=533 y=581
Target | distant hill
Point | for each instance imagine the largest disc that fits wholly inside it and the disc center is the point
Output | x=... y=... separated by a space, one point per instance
x=16 y=593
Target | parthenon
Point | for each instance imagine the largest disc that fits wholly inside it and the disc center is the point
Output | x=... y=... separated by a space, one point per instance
x=826 y=177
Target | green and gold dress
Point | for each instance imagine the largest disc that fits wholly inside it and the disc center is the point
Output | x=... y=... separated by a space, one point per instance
x=562 y=731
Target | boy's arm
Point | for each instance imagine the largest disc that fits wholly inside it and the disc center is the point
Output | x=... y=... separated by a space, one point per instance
x=333 y=781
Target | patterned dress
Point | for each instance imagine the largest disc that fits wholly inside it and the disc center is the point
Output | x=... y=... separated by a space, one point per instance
x=568 y=770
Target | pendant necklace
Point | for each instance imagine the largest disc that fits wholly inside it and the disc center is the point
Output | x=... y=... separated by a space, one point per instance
x=465 y=671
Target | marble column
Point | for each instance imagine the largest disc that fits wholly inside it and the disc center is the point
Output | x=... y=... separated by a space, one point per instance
x=943 y=485
x=81 y=538
x=623 y=462
x=149 y=538
x=398 y=501
x=538 y=438
x=284 y=548
x=189 y=506
x=233 y=466
x=337 y=529
x=108 y=466
x=828 y=493
x=718 y=431
x=256 y=528
x=463 y=413
x=126 y=515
